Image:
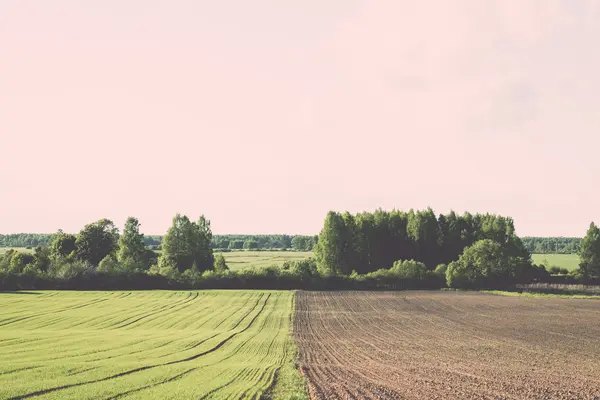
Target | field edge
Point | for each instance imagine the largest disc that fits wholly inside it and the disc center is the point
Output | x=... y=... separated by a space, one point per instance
x=289 y=383
x=542 y=295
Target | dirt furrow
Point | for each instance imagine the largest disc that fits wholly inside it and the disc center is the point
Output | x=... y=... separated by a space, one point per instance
x=446 y=345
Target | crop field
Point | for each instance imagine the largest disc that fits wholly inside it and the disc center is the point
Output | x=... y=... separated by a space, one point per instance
x=142 y=345
x=447 y=345
x=237 y=260
x=568 y=261
x=21 y=249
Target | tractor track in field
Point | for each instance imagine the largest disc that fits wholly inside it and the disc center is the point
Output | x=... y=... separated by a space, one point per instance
x=447 y=345
x=148 y=367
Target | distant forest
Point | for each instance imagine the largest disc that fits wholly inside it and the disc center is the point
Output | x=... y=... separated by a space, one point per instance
x=552 y=245
x=221 y=242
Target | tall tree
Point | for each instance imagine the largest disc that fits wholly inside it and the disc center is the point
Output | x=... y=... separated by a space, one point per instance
x=590 y=252
x=330 y=248
x=63 y=244
x=96 y=241
x=131 y=243
x=187 y=244
x=203 y=254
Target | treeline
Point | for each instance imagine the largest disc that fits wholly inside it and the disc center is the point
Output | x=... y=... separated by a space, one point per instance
x=380 y=250
x=470 y=250
x=366 y=242
x=25 y=239
x=552 y=245
x=264 y=242
x=221 y=242
x=535 y=245
x=99 y=247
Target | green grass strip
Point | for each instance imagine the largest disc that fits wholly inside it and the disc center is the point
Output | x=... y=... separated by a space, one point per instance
x=530 y=294
x=289 y=383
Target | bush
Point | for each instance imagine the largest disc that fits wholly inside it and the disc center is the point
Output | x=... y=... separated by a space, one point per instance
x=440 y=270
x=533 y=273
x=410 y=269
x=109 y=265
x=554 y=270
x=304 y=269
x=485 y=264
x=219 y=264
x=66 y=269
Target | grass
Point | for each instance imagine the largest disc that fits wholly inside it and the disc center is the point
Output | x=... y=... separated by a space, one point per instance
x=532 y=294
x=146 y=345
x=21 y=249
x=568 y=261
x=237 y=260
x=290 y=384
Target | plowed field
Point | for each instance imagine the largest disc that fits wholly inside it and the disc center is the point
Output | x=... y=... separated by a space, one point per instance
x=144 y=345
x=447 y=345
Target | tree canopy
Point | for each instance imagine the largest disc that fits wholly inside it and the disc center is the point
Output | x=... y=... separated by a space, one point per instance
x=366 y=242
x=187 y=244
x=96 y=241
x=590 y=252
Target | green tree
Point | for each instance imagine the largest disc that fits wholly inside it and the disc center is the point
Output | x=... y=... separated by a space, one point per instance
x=329 y=251
x=203 y=254
x=484 y=264
x=299 y=243
x=220 y=264
x=590 y=252
x=410 y=269
x=187 y=243
x=17 y=263
x=109 y=265
x=250 y=245
x=96 y=241
x=236 y=244
x=42 y=258
x=131 y=244
x=63 y=244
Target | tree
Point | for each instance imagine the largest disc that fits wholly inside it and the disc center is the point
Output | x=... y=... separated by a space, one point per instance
x=250 y=244
x=41 y=257
x=96 y=241
x=484 y=264
x=17 y=263
x=410 y=269
x=329 y=251
x=220 y=264
x=590 y=252
x=63 y=244
x=299 y=243
x=203 y=255
x=131 y=244
x=109 y=265
x=187 y=243
x=423 y=229
x=236 y=244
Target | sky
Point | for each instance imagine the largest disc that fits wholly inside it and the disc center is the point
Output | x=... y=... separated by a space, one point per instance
x=264 y=115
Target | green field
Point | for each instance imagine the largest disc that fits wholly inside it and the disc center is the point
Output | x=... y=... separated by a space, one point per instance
x=237 y=260
x=568 y=261
x=143 y=345
x=21 y=249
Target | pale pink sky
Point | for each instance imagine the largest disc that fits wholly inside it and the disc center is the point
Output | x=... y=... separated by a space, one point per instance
x=265 y=114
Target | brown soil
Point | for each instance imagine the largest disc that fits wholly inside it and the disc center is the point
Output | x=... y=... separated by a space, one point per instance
x=447 y=345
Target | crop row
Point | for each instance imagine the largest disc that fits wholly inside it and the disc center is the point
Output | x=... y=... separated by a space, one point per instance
x=142 y=344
